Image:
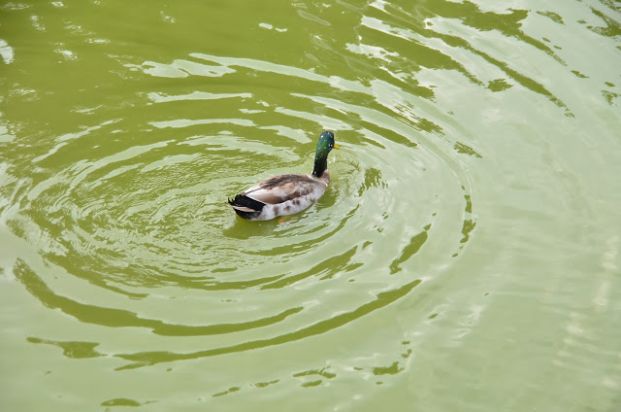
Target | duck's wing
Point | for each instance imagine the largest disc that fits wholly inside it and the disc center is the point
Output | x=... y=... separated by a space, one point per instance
x=279 y=189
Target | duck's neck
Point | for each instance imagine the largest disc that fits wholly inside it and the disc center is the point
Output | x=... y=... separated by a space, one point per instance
x=321 y=164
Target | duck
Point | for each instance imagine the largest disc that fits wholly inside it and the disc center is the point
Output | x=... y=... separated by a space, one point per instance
x=287 y=194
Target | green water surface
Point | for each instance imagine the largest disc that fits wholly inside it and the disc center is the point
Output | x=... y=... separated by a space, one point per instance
x=466 y=256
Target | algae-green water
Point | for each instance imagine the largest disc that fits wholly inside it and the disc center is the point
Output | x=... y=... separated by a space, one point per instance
x=466 y=256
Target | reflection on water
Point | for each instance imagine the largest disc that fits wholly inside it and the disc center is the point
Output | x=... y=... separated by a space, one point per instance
x=468 y=231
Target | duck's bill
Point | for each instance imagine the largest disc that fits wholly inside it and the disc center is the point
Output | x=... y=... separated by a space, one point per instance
x=336 y=146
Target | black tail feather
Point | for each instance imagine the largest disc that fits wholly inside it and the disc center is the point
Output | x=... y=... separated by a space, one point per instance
x=246 y=202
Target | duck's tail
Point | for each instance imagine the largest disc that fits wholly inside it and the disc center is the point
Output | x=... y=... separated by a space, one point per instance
x=246 y=207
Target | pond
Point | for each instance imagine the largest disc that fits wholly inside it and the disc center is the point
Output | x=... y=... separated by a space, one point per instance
x=465 y=257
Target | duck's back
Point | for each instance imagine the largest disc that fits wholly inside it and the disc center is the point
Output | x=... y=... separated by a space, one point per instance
x=283 y=188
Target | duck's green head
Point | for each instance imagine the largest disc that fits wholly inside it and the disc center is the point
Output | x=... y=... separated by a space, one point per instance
x=324 y=145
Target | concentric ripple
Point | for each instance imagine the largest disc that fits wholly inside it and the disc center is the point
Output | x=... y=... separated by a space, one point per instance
x=142 y=214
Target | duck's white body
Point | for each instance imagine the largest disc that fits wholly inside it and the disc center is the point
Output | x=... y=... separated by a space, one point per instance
x=280 y=196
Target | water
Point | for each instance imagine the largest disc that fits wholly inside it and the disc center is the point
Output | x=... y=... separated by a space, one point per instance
x=465 y=258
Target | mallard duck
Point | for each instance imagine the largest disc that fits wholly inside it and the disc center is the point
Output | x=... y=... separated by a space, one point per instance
x=287 y=194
